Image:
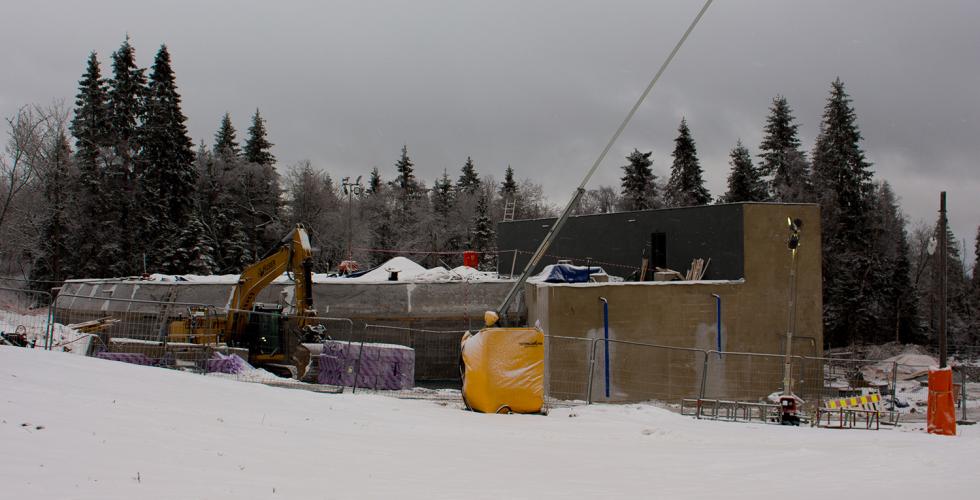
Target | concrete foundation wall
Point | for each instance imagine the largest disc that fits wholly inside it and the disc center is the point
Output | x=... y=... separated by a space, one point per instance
x=413 y=307
x=403 y=301
x=683 y=314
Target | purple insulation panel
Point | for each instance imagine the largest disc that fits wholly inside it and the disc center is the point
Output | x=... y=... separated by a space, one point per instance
x=221 y=363
x=382 y=366
x=127 y=357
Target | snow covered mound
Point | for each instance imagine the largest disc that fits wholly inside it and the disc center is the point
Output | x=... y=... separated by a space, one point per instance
x=406 y=268
x=77 y=427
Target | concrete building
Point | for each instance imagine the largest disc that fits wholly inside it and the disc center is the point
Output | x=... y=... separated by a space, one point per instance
x=749 y=271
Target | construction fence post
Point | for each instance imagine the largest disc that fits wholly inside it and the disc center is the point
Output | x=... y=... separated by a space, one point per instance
x=704 y=380
x=962 y=394
x=591 y=369
x=894 y=405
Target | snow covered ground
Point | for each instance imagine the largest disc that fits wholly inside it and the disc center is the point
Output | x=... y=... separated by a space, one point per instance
x=77 y=427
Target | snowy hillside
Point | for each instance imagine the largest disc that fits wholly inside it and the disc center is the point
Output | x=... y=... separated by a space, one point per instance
x=76 y=427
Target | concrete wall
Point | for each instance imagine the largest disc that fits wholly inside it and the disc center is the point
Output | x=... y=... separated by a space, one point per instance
x=683 y=314
x=452 y=301
x=413 y=307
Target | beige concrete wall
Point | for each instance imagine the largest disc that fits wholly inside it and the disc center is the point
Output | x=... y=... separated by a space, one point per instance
x=683 y=314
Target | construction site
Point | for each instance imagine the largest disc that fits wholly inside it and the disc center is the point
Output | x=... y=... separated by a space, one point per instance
x=718 y=316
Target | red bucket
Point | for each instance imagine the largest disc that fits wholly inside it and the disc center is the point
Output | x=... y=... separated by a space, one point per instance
x=471 y=259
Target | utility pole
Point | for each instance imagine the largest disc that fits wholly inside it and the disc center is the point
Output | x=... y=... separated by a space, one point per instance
x=942 y=278
x=351 y=188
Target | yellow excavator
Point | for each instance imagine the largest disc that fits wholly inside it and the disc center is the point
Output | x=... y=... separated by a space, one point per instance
x=272 y=333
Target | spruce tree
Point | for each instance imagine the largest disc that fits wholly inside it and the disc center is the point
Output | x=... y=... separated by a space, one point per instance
x=469 y=180
x=686 y=185
x=638 y=188
x=225 y=141
x=90 y=125
x=190 y=251
x=169 y=177
x=374 y=182
x=841 y=173
x=744 y=183
x=406 y=177
x=444 y=232
x=126 y=94
x=783 y=167
x=121 y=253
x=508 y=188
x=257 y=146
x=442 y=196
x=482 y=234
x=842 y=179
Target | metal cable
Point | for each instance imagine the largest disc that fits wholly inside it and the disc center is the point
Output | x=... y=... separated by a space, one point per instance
x=643 y=96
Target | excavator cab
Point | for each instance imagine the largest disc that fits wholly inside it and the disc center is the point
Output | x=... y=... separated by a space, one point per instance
x=274 y=343
x=264 y=330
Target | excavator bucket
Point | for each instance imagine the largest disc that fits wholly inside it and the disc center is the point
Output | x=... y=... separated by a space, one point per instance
x=301 y=360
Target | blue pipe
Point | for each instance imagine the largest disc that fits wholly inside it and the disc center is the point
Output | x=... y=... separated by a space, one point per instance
x=718 y=319
x=605 y=328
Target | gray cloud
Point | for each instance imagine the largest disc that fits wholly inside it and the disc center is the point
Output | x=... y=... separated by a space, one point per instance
x=541 y=85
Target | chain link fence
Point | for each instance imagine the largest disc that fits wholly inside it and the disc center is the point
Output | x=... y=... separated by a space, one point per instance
x=738 y=384
x=139 y=331
x=385 y=357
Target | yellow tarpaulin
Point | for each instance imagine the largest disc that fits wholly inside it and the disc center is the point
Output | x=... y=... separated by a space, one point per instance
x=504 y=370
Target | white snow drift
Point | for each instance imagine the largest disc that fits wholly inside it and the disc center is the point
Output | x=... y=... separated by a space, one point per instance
x=76 y=427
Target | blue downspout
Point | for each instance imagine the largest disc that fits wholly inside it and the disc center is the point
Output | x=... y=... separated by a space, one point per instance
x=605 y=332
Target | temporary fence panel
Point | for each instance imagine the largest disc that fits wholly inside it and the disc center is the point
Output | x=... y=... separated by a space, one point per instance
x=136 y=331
x=739 y=376
x=567 y=368
x=640 y=371
x=436 y=351
x=25 y=317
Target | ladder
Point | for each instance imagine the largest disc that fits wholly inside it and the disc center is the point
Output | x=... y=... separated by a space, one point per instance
x=164 y=315
x=509 y=208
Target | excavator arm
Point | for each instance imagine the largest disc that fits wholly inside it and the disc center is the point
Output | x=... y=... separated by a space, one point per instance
x=293 y=254
x=262 y=332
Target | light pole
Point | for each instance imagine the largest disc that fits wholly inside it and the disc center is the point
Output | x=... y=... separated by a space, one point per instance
x=351 y=189
x=789 y=402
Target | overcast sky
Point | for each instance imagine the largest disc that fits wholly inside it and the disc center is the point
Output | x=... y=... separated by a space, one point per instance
x=540 y=86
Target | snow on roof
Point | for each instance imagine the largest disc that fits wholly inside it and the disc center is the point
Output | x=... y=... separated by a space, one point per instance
x=408 y=270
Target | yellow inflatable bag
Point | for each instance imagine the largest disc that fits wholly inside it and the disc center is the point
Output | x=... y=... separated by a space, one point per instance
x=503 y=370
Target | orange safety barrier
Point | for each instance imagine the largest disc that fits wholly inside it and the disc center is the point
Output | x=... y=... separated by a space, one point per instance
x=941 y=411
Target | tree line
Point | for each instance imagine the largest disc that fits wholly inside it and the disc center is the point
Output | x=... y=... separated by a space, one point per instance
x=879 y=281
x=116 y=187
